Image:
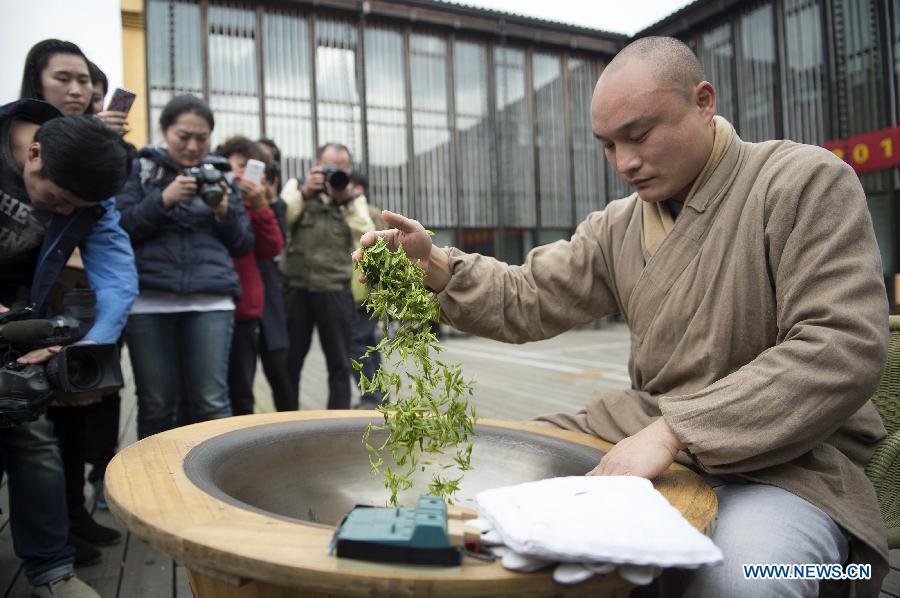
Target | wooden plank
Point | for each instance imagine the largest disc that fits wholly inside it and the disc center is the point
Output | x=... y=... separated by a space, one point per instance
x=128 y=407
x=146 y=572
x=182 y=584
x=20 y=587
x=10 y=565
x=105 y=575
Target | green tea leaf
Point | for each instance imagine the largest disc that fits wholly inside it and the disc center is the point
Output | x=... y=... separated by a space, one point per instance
x=427 y=412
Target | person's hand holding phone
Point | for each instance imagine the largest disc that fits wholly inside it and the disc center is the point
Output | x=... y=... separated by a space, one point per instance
x=118 y=121
x=250 y=182
x=116 y=114
x=255 y=194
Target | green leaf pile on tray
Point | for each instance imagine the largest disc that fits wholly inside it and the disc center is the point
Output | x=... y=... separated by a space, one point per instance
x=426 y=410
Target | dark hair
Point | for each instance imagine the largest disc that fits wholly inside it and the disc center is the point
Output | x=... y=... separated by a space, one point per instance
x=36 y=61
x=358 y=178
x=339 y=146
x=269 y=143
x=182 y=104
x=273 y=173
x=240 y=145
x=98 y=77
x=83 y=156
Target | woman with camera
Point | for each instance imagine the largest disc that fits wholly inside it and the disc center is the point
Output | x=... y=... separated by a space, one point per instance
x=187 y=220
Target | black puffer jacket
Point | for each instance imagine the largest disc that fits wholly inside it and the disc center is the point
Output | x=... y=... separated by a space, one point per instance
x=184 y=249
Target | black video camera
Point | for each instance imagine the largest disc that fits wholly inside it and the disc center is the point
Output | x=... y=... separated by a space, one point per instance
x=337 y=178
x=27 y=390
x=209 y=179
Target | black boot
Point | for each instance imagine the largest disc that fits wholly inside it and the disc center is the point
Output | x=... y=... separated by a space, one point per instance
x=85 y=552
x=82 y=525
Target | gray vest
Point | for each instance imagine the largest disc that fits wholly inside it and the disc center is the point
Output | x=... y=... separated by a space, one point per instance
x=318 y=254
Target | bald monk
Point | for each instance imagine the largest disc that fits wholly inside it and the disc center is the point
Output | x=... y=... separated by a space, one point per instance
x=750 y=279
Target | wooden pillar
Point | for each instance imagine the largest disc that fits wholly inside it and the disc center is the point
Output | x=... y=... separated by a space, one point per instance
x=134 y=69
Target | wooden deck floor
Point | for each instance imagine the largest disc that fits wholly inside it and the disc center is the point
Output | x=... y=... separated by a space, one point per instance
x=513 y=382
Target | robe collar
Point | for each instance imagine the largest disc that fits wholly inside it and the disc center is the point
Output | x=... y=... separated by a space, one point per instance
x=657 y=220
x=685 y=238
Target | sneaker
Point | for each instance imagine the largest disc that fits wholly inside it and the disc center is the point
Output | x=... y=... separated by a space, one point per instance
x=65 y=587
x=85 y=553
x=100 y=496
x=82 y=525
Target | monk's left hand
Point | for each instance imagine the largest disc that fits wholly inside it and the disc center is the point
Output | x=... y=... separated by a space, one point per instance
x=646 y=454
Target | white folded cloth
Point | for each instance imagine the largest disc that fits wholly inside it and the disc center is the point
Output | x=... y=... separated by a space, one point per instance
x=591 y=520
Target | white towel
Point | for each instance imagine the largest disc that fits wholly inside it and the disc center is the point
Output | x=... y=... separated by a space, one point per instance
x=595 y=519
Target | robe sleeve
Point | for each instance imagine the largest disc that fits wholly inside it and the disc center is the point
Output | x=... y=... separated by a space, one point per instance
x=832 y=328
x=560 y=285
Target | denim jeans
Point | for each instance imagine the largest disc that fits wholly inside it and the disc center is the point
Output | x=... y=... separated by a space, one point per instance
x=37 y=500
x=363 y=336
x=177 y=355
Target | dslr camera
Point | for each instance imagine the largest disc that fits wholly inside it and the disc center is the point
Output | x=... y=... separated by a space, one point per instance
x=337 y=178
x=209 y=183
x=27 y=390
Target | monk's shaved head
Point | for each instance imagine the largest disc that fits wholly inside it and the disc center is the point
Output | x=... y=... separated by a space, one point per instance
x=653 y=112
x=670 y=60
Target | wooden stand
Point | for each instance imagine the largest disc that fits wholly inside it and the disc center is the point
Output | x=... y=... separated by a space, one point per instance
x=237 y=553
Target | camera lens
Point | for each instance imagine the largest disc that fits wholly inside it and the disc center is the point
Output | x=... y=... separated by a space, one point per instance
x=83 y=370
x=212 y=195
x=338 y=179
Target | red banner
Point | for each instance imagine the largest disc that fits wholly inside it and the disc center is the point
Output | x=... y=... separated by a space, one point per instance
x=870 y=151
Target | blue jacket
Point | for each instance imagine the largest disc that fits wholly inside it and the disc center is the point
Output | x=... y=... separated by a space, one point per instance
x=108 y=263
x=184 y=249
x=106 y=251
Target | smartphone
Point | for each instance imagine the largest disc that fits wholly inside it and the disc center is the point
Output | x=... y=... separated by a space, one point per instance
x=254 y=171
x=121 y=100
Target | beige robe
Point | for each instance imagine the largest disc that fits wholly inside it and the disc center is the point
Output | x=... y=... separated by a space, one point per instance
x=759 y=327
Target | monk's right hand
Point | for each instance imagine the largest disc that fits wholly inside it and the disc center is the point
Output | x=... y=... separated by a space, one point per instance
x=418 y=247
x=406 y=231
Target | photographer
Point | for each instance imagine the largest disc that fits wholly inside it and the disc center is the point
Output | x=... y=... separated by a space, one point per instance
x=186 y=220
x=269 y=243
x=56 y=175
x=324 y=217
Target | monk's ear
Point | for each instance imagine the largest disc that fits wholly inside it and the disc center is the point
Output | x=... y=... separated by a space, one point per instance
x=705 y=98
